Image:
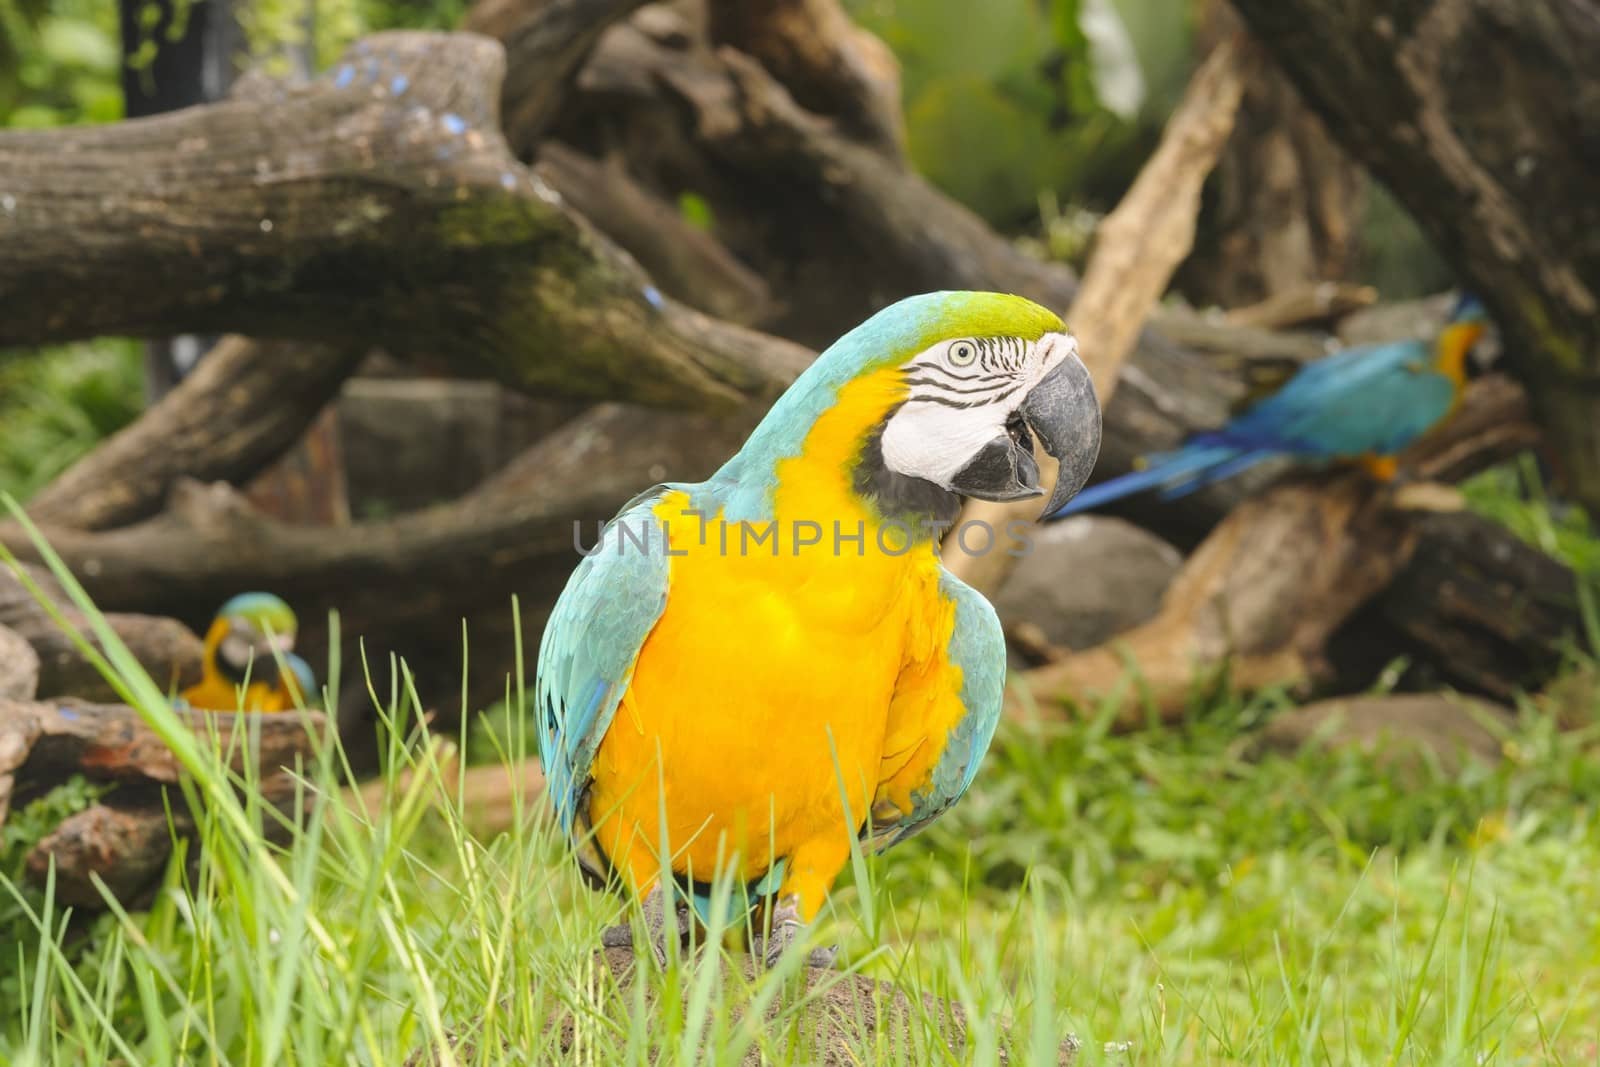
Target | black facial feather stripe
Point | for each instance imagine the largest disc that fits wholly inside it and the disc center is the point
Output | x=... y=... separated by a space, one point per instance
x=947 y=372
x=936 y=398
x=950 y=390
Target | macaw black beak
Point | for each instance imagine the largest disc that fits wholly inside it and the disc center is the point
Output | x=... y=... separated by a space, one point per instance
x=1065 y=416
x=1063 y=412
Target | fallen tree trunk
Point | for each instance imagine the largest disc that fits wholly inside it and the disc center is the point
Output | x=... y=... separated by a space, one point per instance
x=1481 y=117
x=378 y=204
x=126 y=839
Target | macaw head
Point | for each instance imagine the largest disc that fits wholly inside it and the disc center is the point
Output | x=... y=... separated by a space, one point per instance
x=1458 y=340
x=251 y=627
x=980 y=378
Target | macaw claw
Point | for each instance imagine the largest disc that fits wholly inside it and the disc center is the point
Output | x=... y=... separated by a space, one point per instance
x=788 y=930
x=654 y=907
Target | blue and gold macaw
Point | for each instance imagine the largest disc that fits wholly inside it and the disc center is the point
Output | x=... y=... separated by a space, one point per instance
x=243 y=647
x=751 y=672
x=1365 y=404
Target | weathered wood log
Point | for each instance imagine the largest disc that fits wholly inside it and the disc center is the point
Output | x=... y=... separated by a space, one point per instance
x=17 y=734
x=1484 y=611
x=111 y=743
x=412 y=442
x=242 y=407
x=126 y=839
x=1138 y=247
x=125 y=843
x=1320 y=302
x=167 y=649
x=19 y=666
x=1500 y=171
x=378 y=204
x=1263 y=597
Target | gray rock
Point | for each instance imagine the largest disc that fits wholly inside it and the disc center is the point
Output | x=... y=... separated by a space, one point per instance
x=1400 y=728
x=1087 y=579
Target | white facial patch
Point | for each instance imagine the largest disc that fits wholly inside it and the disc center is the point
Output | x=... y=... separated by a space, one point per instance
x=963 y=392
x=235 y=650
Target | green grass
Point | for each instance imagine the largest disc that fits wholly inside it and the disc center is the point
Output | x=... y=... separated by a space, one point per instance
x=1153 y=889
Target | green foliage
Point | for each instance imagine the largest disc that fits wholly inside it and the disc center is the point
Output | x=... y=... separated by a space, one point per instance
x=696 y=211
x=1514 y=496
x=1009 y=98
x=56 y=403
x=58 y=62
x=25 y=827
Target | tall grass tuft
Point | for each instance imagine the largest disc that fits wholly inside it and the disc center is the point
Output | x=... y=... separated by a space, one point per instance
x=1154 y=894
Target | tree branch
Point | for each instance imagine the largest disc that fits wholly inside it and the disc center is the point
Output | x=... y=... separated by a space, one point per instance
x=378 y=204
x=242 y=407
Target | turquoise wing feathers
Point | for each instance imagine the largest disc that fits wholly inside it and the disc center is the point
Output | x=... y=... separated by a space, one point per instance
x=591 y=642
x=978 y=647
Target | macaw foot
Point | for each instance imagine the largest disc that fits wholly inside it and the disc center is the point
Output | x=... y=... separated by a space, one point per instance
x=656 y=927
x=789 y=930
x=1384 y=469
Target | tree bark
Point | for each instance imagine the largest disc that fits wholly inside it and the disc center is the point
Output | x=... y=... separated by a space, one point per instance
x=1483 y=118
x=831 y=66
x=1284 y=207
x=546 y=42
x=378 y=204
x=126 y=839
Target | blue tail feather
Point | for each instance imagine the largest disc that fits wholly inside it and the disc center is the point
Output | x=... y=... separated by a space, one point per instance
x=1183 y=466
x=1221 y=472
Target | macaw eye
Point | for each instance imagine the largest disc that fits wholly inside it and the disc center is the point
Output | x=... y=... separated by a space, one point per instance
x=962 y=353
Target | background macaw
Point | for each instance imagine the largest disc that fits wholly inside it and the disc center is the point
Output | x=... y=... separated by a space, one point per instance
x=760 y=703
x=245 y=641
x=1366 y=403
